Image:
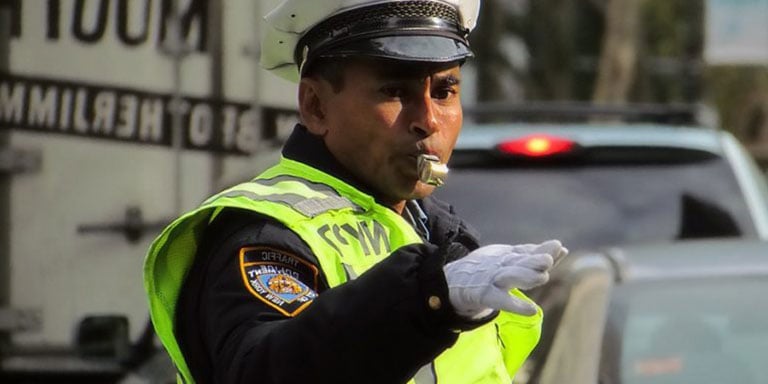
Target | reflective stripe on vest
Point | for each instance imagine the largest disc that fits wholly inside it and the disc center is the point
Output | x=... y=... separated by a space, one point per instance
x=309 y=207
x=348 y=232
x=426 y=375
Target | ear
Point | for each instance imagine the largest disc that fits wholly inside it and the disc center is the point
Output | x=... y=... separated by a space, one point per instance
x=312 y=105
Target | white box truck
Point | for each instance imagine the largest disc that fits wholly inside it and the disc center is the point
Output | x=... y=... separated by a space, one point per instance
x=115 y=116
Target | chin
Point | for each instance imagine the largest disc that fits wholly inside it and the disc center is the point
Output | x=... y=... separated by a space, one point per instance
x=412 y=189
x=422 y=190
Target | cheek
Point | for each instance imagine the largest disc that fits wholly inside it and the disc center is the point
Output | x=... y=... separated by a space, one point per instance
x=373 y=126
x=357 y=138
x=451 y=127
x=360 y=109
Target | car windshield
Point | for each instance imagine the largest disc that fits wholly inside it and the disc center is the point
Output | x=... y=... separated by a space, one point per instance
x=687 y=332
x=593 y=205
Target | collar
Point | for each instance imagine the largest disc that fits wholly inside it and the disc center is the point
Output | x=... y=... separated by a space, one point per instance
x=304 y=147
x=432 y=218
x=417 y=217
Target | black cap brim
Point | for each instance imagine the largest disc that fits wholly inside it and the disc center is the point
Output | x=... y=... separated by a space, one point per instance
x=417 y=48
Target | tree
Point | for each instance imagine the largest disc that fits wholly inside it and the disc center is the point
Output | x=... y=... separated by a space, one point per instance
x=618 y=59
x=603 y=50
x=556 y=35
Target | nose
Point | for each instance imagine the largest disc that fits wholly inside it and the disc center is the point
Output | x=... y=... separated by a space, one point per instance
x=424 y=118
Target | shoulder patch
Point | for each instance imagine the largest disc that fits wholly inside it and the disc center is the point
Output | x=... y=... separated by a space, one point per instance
x=279 y=278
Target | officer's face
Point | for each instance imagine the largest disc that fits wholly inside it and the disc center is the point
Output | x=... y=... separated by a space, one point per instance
x=385 y=115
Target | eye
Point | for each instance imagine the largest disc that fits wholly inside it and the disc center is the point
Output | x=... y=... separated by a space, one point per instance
x=393 y=91
x=443 y=93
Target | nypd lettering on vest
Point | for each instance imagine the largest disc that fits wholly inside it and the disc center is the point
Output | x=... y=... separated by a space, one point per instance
x=371 y=236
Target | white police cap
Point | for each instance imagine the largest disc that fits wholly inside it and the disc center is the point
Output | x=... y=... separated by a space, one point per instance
x=299 y=31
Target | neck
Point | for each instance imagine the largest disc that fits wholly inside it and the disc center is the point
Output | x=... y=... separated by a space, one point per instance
x=396 y=206
x=310 y=149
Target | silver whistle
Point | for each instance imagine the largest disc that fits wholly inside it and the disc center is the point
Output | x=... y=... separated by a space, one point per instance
x=431 y=170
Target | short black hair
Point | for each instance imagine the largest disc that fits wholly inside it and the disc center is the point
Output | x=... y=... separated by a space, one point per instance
x=330 y=69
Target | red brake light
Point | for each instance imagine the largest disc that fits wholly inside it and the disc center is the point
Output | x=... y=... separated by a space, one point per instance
x=536 y=146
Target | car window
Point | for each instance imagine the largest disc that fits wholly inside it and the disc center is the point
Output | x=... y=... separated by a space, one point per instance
x=600 y=204
x=690 y=333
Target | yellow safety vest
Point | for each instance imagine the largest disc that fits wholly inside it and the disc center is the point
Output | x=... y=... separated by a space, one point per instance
x=316 y=206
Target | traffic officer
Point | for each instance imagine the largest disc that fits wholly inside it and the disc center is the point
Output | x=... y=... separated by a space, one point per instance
x=336 y=265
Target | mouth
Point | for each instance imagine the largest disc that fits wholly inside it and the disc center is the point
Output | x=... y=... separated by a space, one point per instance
x=423 y=150
x=425 y=165
x=431 y=170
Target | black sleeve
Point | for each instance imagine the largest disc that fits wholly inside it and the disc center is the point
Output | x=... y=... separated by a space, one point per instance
x=379 y=328
x=446 y=227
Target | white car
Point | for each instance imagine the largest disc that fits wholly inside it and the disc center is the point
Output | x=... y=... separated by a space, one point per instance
x=690 y=312
x=661 y=176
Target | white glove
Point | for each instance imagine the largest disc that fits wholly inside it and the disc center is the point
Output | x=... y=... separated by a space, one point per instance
x=480 y=282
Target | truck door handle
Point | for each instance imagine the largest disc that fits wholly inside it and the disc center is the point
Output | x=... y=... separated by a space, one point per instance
x=132 y=226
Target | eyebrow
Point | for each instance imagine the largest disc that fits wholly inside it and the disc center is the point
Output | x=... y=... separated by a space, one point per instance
x=449 y=79
x=387 y=74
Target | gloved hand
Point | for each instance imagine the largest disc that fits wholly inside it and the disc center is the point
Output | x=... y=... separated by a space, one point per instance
x=480 y=282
